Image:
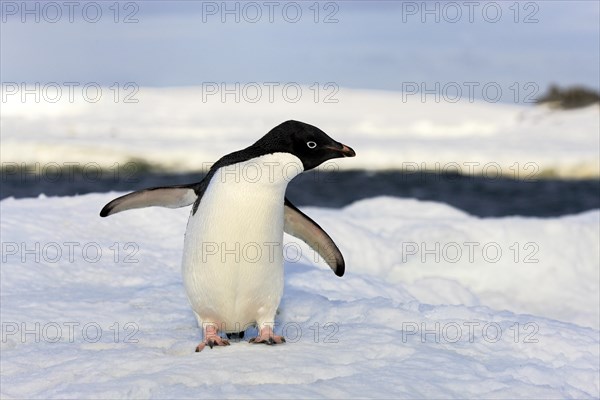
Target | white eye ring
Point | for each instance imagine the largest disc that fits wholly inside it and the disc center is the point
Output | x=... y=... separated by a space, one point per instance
x=311 y=144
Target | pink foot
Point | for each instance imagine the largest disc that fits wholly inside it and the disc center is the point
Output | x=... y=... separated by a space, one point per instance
x=211 y=339
x=267 y=336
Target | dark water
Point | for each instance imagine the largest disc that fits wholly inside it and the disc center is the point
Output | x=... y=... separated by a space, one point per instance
x=476 y=195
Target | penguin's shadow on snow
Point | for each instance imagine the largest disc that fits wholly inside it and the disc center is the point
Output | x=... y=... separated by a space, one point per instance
x=297 y=296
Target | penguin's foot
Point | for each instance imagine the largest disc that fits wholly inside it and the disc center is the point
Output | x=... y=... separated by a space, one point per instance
x=211 y=339
x=267 y=336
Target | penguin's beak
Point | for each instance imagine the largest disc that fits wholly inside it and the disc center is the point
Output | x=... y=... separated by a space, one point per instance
x=343 y=150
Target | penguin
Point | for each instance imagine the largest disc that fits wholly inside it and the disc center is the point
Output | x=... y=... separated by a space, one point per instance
x=232 y=262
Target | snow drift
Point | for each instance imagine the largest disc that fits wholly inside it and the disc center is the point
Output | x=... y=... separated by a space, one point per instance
x=188 y=128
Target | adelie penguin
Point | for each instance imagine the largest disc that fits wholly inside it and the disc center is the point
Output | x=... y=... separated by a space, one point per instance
x=230 y=285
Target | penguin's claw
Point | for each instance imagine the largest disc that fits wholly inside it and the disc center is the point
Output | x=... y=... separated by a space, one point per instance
x=211 y=342
x=268 y=338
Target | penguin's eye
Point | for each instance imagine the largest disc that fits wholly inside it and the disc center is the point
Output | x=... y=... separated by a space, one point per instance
x=311 y=144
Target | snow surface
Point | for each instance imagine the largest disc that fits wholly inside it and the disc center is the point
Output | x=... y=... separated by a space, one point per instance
x=187 y=129
x=377 y=335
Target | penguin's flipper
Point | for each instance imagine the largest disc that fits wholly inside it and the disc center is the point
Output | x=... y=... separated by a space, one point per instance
x=169 y=196
x=297 y=224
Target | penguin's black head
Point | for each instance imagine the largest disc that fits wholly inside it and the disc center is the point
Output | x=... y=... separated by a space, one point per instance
x=310 y=144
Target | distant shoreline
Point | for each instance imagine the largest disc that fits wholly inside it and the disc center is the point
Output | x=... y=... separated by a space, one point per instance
x=484 y=197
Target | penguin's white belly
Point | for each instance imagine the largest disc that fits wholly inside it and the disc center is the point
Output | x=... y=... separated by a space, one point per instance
x=233 y=250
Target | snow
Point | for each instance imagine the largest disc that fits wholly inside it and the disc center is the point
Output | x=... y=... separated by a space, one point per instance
x=506 y=329
x=435 y=303
x=388 y=129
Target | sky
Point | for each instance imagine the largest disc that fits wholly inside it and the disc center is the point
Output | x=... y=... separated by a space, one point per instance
x=474 y=48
